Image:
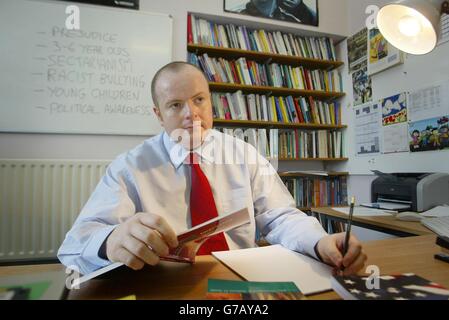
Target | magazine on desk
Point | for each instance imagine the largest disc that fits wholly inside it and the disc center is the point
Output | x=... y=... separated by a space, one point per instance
x=406 y=286
x=188 y=242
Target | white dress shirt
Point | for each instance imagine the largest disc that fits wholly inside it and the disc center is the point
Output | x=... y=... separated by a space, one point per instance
x=154 y=178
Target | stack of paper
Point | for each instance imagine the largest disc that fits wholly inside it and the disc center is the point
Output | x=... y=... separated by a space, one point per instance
x=278 y=264
x=365 y=212
x=437 y=212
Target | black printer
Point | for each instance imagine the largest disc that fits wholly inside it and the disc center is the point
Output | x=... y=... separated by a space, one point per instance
x=422 y=191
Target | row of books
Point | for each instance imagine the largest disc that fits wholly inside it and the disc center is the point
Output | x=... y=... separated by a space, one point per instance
x=292 y=144
x=309 y=144
x=248 y=72
x=317 y=192
x=255 y=107
x=203 y=32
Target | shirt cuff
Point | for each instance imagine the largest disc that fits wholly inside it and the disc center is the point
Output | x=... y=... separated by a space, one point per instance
x=91 y=252
x=312 y=241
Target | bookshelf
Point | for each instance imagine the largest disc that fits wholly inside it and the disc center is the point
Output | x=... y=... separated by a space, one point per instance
x=293 y=79
x=304 y=174
x=319 y=94
x=264 y=57
x=273 y=124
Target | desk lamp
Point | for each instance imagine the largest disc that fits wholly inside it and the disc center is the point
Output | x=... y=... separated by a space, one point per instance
x=412 y=26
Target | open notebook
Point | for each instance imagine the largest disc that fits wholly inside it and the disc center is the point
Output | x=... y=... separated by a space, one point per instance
x=276 y=263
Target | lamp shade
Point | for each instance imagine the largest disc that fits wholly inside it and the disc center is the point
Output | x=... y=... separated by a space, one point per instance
x=412 y=26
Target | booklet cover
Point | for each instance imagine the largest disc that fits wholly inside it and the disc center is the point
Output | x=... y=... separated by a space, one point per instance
x=189 y=242
x=246 y=290
x=407 y=286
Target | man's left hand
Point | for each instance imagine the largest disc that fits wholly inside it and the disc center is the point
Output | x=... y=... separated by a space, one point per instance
x=330 y=248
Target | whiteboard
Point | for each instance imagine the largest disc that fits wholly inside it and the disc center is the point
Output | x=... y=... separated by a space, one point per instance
x=95 y=80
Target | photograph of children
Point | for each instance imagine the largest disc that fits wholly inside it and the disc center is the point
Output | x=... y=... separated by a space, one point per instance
x=298 y=11
x=361 y=85
x=430 y=134
x=394 y=109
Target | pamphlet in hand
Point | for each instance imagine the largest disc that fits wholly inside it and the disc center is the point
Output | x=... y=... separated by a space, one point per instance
x=189 y=241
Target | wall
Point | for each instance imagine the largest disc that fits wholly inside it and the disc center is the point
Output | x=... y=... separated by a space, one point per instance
x=58 y=146
x=416 y=72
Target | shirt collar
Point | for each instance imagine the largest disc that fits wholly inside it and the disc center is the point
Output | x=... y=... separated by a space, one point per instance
x=178 y=154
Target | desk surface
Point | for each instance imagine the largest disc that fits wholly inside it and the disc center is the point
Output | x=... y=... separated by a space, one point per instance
x=182 y=281
x=382 y=222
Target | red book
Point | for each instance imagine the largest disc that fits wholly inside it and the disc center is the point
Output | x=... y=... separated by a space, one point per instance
x=308 y=81
x=234 y=72
x=298 y=111
x=227 y=113
x=189 y=29
x=313 y=111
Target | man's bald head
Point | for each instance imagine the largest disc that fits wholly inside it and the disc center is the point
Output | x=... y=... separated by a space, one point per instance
x=176 y=66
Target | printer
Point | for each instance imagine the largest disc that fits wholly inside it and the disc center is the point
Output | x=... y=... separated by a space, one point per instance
x=421 y=191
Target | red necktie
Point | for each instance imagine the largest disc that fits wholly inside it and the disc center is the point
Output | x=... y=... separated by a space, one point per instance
x=202 y=208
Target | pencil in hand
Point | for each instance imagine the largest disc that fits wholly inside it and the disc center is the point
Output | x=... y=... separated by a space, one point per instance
x=348 y=227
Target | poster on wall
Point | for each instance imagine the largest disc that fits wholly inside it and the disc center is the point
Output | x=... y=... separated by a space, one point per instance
x=358 y=67
x=429 y=134
x=394 y=109
x=429 y=102
x=298 y=11
x=382 y=55
x=361 y=84
x=394 y=123
x=395 y=138
x=357 y=49
x=367 y=129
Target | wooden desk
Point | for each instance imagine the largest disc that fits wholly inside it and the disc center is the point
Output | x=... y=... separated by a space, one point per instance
x=386 y=224
x=181 y=281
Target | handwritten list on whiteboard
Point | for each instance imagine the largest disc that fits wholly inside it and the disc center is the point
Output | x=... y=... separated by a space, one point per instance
x=93 y=80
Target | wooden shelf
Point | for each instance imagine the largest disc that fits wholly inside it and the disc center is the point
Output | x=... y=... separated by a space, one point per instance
x=310 y=208
x=269 y=124
x=264 y=57
x=277 y=91
x=312 y=159
x=330 y=174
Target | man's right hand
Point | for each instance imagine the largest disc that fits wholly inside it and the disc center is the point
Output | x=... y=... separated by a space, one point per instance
x=140 y=240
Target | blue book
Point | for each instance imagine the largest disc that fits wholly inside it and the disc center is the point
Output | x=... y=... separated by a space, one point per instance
x=278 y=110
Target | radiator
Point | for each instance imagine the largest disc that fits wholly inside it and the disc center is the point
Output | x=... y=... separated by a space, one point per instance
x=39 y=201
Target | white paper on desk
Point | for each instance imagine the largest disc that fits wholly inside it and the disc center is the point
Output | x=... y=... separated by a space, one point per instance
x=276 y=263
x=365 y=212
x=437 y=212
x=76 y=282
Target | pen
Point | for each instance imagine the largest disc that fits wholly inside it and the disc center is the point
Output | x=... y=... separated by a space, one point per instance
x=348 y=228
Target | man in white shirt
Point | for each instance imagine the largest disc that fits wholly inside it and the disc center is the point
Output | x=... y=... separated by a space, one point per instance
x=142 y=201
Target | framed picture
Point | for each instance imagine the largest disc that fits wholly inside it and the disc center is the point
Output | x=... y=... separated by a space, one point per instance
x=298 y=11
x=382 y=55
